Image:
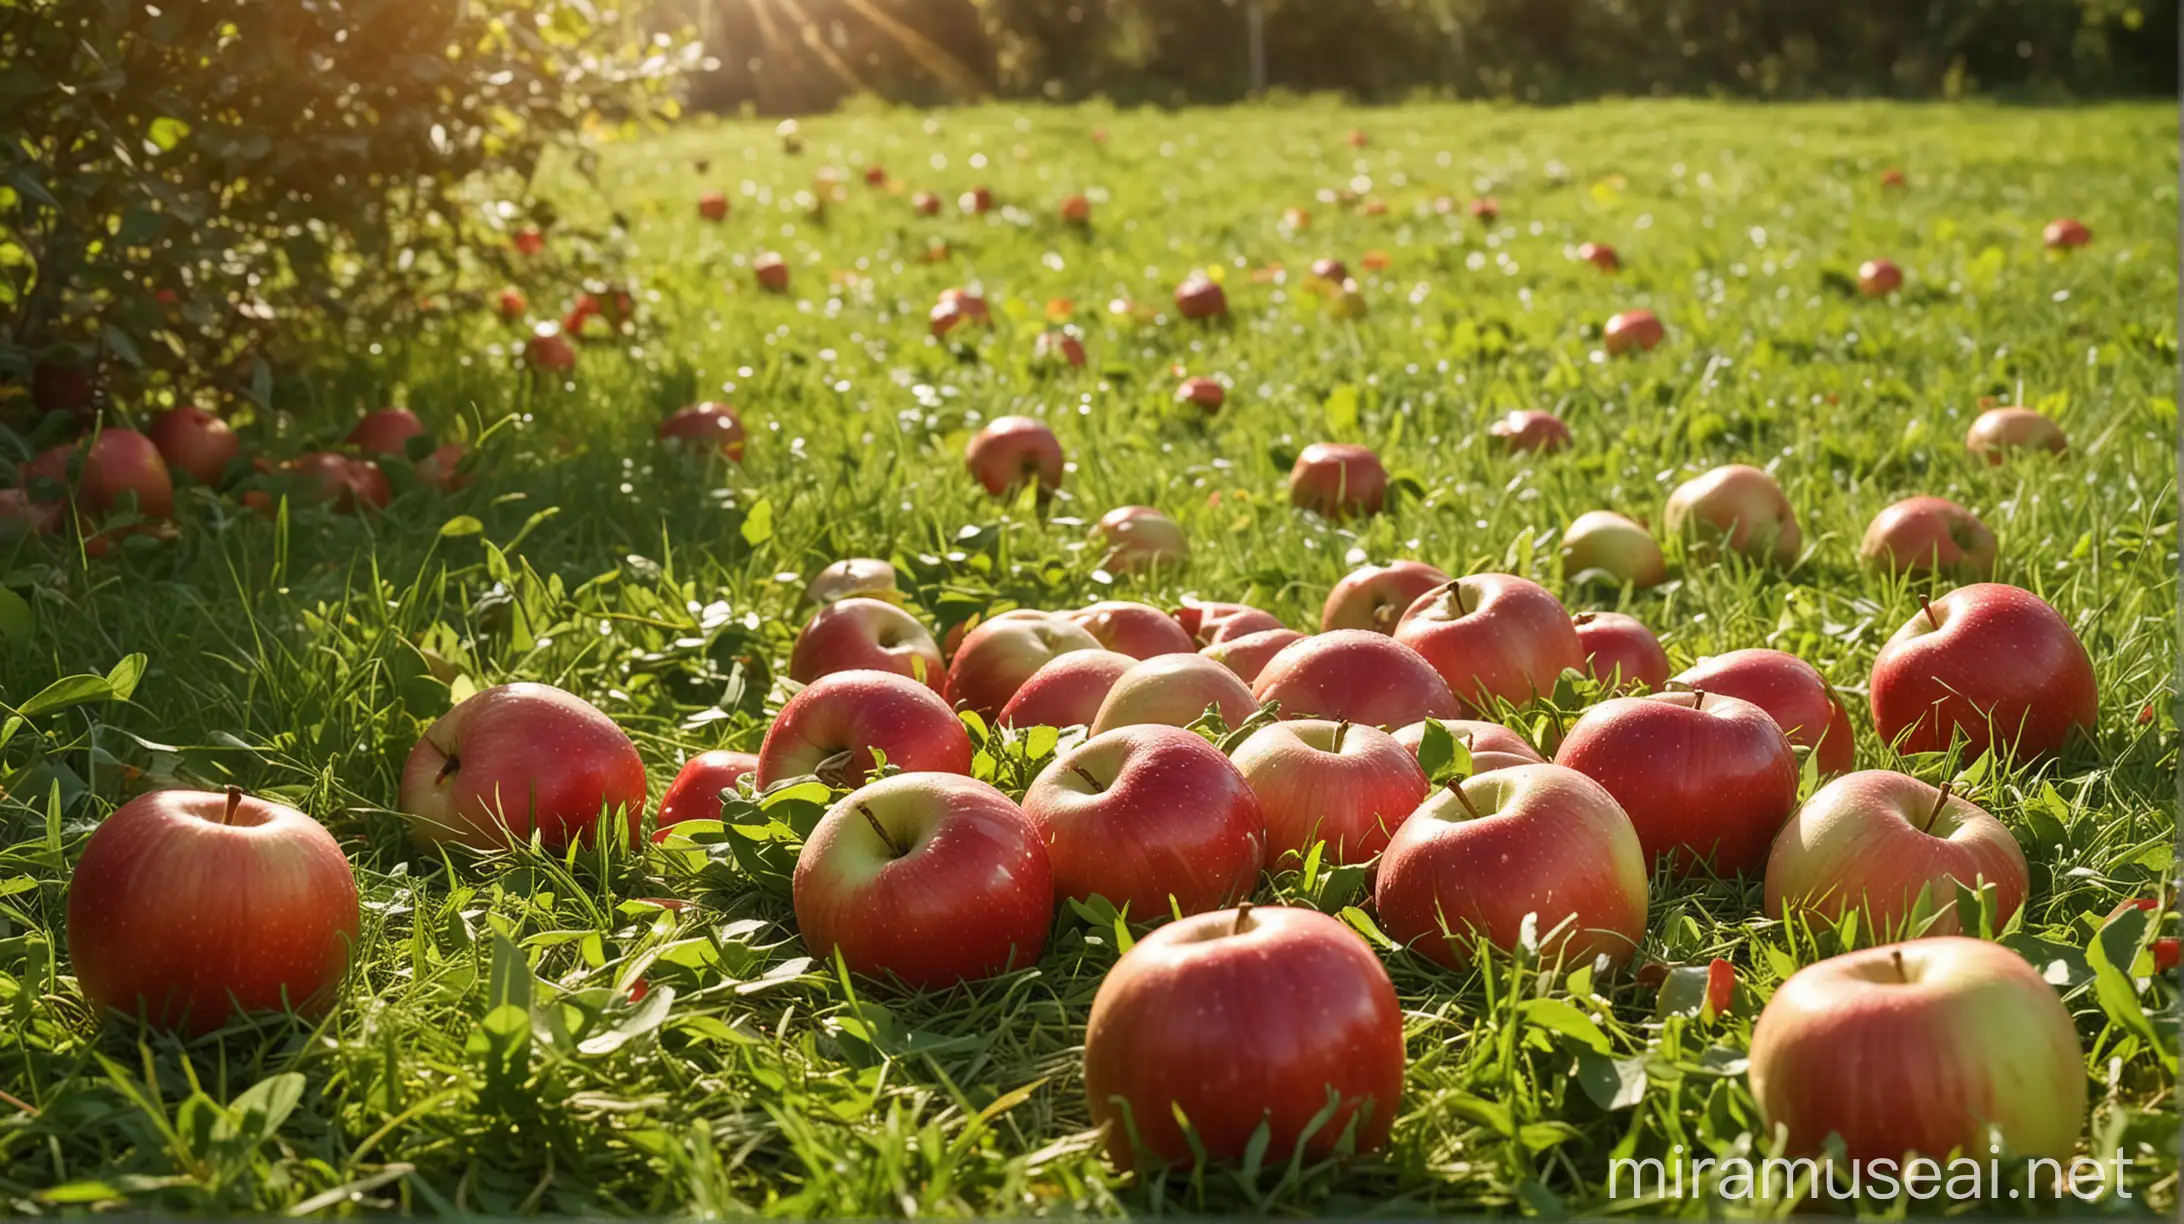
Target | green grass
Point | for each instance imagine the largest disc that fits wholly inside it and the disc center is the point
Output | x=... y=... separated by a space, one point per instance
x=282 y=655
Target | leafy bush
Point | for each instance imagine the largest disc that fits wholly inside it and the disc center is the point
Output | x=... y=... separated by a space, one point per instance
x=179 y=180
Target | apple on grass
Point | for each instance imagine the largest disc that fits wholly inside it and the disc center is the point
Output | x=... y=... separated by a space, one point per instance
x=1632 y=331
x=1997 y=432
x=1737 y=507
x=188 y=908
x=1620 y=651
x=1202 y=392
x=771 y=271
x=831 y=728
x=1605 y=544
x=1135 y=539
x=2066 y=234
x=695 y=792
x=1174 y=689
x=1138 y=630
x=1527 y=430
x=1879 y=277
x=1354 y=675
x=926 y=878
x=710 y=428
x=1287 y=1007
x=1248 y=655
x=516 y=759
x=1871 y=842
x=1493 y=638
x=859 y=634
x=1480 y=855
x=1014 y=451
x=1338 y=479
x=1791 y=691
x=1919 y=536
x=1930 y=1046
x=386 y=431
x=1601 y=256
x=1990 y=663
x=192 y=440
x=1375 y=596
x=116 y=465
x=1317 y=781
x=1152 y=818
x=1200 y=297
x=1492 y=746
x=854 y=577
x=1067 y=690
x=1703 y=778
x=1000 y=654
x=1211 y=624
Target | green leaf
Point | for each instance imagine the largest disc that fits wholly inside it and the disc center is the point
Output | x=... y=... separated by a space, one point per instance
x=123 y=347
x=1612 y=1083
x=124 y=676
x=65 y=692
x=2111 y=953
x=459 y=526
x=1564 y=1017
x=1363 y=924
x=16 y=621
x=257 y=1114
x=758 y=524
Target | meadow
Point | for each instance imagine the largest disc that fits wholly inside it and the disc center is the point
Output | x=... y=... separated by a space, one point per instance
x=487 y=1055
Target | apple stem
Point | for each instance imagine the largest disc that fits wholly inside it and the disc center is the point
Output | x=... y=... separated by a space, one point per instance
x=234 y=801
x=1243 y=915
x=1341 y=729
x=1086 y=774
x=1456 y=788
x=1927 y=606
x=1895 y=957
x=1456 y=591
x=1698 y=699
x=447 y=768
x=893 y=850
x=1940 y=801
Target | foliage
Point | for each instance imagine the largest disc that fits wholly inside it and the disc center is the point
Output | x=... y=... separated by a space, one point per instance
x=182 y=184
x=489 y=1055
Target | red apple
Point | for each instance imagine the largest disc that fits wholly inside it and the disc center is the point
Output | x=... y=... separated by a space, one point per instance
x=1014 y=451
x=529 y=240
x=1330 y=270
x=1058 y=348
x=511 y=304
x=1067 y=690
x=116 y=465
x=1620 y=651
x=772 y=272
x=1879 y=277
x=1211 y=624
x=348 y=483
x=1485 y=209
x=1991 y=663
x=2065 y=234
x=1354 y=675
x=695 y=792
x=548 y=350
x=1601 y=256
x=864 y=577
x=1138 y=630
x=521 y=758
x=1076 y=210
x=927 y=878
x=385 y=432
x=1150 y=817
x=1892 y=177
x=978 y=201
x=876 y=176
x=1206 y=393
x=998 y=656
x=1199 y=297
x=1929 y=1046
x=1633 y=331
x=188 y=908
x=1337 y=479
x=1375 y=596
x=1540 y=841
x=1919 y=536
x=195 y=441
x=1603 y=542
x=1493 y=637
x=1794 y=694
x=859 y=634
x=1174 y=689
x=1703 y=777
x=853 y=712
x=1491 y=745
x=707 y=428
x=1248 y=655
x=1998 y=431
x=1737 y=507
x=1871 y=842
x=1335 y=782
x=926 y=203
x=713 y=206
x=1135 y=539
x=1287 y=1006
x=1530 y=430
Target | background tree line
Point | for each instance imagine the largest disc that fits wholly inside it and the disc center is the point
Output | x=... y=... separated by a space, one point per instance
x=798 y=55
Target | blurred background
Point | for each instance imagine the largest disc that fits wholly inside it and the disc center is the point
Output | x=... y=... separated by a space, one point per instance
x=787 y=56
